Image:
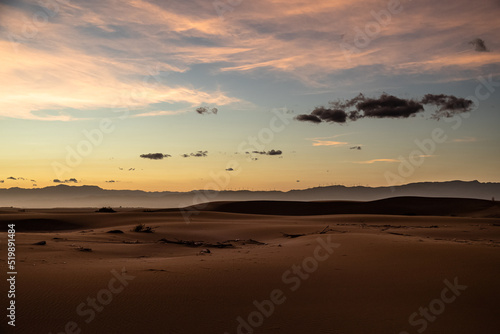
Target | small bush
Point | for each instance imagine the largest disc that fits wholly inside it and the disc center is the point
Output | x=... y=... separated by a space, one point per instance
x=106 y=209
x=143 y=228
x=115 y=231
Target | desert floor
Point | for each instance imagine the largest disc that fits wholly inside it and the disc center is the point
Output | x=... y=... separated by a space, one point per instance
x=365 y=274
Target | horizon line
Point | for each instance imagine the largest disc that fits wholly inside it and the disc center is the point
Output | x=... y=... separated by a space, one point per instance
x=236 y=190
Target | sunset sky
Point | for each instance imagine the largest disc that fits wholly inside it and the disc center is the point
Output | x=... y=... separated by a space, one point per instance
x=90 y=86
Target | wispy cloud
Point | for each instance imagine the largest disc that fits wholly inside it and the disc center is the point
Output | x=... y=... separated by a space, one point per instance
x=94 y=60
x=375 y=160
x=328 y=143
x=94 y=55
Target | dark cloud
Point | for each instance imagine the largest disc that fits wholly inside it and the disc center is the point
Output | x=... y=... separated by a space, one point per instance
x=110 y=181
x=155 y=156
x=339 y=104
x=199 y=154
x=385 y=106
x=271 y=152
x=206 y=110
x=308 y=118
x=72 y=180
x=330 y=115
x=449 y=105
x=355 y=148
x=196 y=154
x=2 y=181
x=19 y=179
x=479 y=45
x=274 y=152
x=389 y=106
x=229 y=169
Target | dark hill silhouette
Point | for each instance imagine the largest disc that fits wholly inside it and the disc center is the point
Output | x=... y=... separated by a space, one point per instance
x=413 y=206
x=93 y=196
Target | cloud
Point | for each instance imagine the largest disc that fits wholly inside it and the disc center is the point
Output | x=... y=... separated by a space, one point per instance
x=198 y=154
x=206 y=110
x=274 y=152
x=327 y=141
x=111 y=181
x=330 y=115
x=376 y=160
x=479 y=45
x=308 y=118
x=19 y=179
x=229 y=169
x=271 y=152
x=72 y=180
x=155 y=156
x=2 y=181
x=109 y=61
x=318 y=142
x=449 y=105
x=355 y=148
x=110 y=47
x=386 y=106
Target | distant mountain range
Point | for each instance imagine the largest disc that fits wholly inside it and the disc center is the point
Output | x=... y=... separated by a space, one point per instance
x=94 y=196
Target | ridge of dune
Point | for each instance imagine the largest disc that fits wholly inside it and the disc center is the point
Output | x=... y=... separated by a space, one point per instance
x=426 y=206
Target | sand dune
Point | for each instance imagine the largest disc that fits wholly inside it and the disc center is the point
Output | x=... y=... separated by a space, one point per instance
x=383 y=268
x=422 y=206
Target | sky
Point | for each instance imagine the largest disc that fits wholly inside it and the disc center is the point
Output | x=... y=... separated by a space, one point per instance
x=257 y=95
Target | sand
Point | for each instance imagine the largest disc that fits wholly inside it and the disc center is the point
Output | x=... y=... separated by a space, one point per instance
x=368 y=273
